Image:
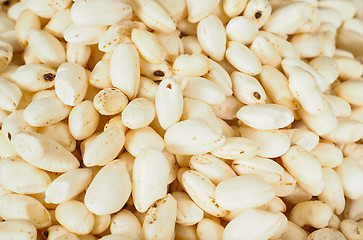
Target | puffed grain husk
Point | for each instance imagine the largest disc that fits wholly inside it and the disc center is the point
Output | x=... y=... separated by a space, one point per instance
x=308 y=44
x=302 y=138
x=340 y=107
x=241 y=22
x=126 y=224
x=86 y=35
x=43 y=152
x=218 y=75
x=351 y=175
x=99 y=13
x=215 y=169
x=139 y=113
x=34 y=77
x=10 y=95
x=294 y=231
x=171 y=41
x=168 y=103
x=148 y=45
x=237 y=148
x=59 y=232
x=349 y=69
x=17 y=229
x=193 y=109
x=249 y=220
x=321 y=123
x=118 y=33
x=78 y=53
x=160 y=219
x=293 y=15
x=149 y=178
x=327 y=67
x=15 y=10
x=247 y=89
x=200 y=10
x=204 y=90
x=71 y=83
x=102 y=222
x=242 y=58
x=208 y=229
x=192 y=136
x=288 y=65
x=191 y=45
x=29 y=56
x=234 y=7
x=319 y=217
x=22 y=207
x=265 y=116
x=193 y=182
x=354 y=210
x=6 y=148
x=59 y=4
x=227 y=110
x=350 y=91
x=185 y=232
x=147 y=89
x=83 y=120
x=348 y=130
x=125 y=69
x=329 y=233
x=258 y=11
x=298 y=195
x=110 y=101
x=328 y=154
x=296 y=158
x=46 y=47
x=273 y=143
x=143 y=138
x=68 y=185
x=285 y=48
x=194 y=65
x=212 y=37
x=188 y=212
x=15 y=123
x=264 y=168
x=21 y=177
x=101 y=200
x=27 y=20
x=104 y=148
x=46 y=111
x=59 y=23
x=265 y=51
x=100 y=75
x=154 y=15
x=333 y=194
x=243 y=192
x=75 y=217
x=286 y=186
x=41 y=8
x=276 y=86
x=155 y=71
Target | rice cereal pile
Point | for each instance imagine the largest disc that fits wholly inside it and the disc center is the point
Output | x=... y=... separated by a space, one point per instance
x=181 y=119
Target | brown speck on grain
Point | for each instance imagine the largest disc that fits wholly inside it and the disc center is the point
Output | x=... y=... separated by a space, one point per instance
x=159 y=73
x=9 y=136
x=168 y=86
x=49 y=77
x=257 y=95
x=258 y=14
x=46 y=233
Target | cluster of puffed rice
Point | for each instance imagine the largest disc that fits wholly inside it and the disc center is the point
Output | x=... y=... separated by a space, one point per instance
x=181 y=119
